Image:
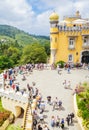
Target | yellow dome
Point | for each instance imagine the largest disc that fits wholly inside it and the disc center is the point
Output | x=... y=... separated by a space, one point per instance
x=54 y=17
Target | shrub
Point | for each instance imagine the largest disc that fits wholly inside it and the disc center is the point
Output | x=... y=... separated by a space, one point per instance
x=12 y=127
x=79 y=113
x=83 y=104
x=85 y=114
x=3 y=117
x=85 y=84
x=87 y=125
x=61 y=63
x=81 y=95
x=1 y=122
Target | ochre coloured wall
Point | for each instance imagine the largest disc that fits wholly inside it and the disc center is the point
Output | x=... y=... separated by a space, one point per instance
x=54 y=38
x=60 y=40
x=62 y=45
x=63 y=50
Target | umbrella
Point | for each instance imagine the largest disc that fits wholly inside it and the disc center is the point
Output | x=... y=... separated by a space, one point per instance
x=64 y=22
x=87 y=21
x=79 y=21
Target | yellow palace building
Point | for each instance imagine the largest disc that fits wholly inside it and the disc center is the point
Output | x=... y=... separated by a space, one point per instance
x=69 y=39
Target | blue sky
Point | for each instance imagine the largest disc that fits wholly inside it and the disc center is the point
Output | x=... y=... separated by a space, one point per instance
x=33 y=15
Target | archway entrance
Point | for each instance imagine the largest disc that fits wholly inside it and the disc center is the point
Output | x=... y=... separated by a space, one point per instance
x=85 y=57
x=22 y=113
x=19 y=118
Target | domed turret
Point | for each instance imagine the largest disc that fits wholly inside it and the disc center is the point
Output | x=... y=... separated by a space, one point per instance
x=77 y=13
x=54 y=17
x=54 y=33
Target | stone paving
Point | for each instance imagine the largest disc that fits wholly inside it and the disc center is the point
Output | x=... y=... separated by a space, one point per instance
x=49 y=82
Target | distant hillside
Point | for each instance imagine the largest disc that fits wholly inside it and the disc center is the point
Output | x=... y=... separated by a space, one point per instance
x=12 y=33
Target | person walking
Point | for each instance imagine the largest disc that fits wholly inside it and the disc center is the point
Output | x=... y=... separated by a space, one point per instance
x=49 y=100
x=60 y=104
x=52 y=121
x=57 y=121
x=42 y=106
x=71 y=117
x=34 y=123
x=69 y=85
x=40 y=127
x=62 y=123
x=68 y=120
x=41 y=118
x=58 y=69
x=65 y=84
x=54 y=104
x=45 y=127
x=68 y=69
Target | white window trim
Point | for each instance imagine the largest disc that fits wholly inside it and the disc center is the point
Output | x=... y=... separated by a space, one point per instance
x=72 y=41
x=71 y=59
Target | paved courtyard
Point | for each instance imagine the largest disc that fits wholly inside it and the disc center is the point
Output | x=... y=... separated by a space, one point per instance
x=49 y=82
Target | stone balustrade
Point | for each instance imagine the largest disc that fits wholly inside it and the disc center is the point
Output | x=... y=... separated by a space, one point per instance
x=75 y=28
x=17 y=96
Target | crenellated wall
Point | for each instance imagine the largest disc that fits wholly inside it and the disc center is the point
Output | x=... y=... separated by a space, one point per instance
x=13 y=105
x=68 y=40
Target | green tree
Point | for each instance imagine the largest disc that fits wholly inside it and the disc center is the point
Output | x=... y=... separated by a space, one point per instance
x=5 y=62
x=14 y=54
x=34 y=53
x=47 y=48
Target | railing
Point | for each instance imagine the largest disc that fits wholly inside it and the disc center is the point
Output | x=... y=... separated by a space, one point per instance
x=14 y=96
x=25 y=113
x=72 y=16
x=76 y=28
x=71 y=47
x=85 y=45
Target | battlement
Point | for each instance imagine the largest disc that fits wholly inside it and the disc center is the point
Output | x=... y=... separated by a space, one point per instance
x=73 y=28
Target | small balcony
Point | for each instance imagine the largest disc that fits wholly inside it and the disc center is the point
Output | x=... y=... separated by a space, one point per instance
x=85 y=45
x=71 y=47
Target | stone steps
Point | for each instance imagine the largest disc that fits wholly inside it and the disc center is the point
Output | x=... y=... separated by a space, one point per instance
x=28 y=119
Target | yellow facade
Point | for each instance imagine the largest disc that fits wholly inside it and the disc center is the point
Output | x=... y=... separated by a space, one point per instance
x=69 y=41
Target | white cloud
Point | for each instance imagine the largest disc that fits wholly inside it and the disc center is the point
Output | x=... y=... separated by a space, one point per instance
x=42 y=23
x=17 y=8
x=17 y=13
x=33 y=16
x=83 y=7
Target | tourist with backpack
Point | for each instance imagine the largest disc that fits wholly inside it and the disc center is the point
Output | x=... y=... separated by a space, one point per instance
x=62 y=123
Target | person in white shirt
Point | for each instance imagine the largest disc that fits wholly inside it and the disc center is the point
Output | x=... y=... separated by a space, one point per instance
x=41 y=117
x=65 y=84
x=69 y=85
x=42 y=107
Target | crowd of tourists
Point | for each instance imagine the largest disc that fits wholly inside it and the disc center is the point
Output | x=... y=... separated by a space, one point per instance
x=39 y=122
